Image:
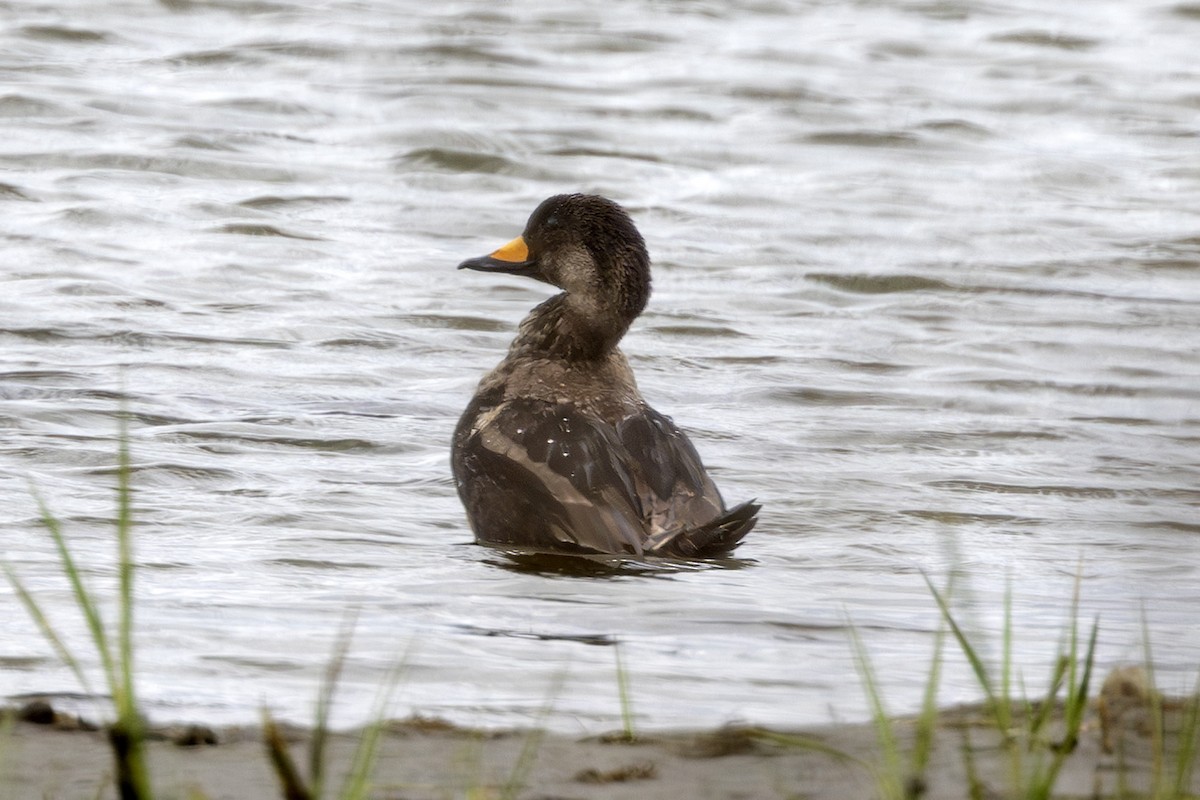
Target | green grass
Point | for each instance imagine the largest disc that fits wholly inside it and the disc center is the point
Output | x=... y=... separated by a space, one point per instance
x=357 y=783
x=889 y=775
x=1188 y=746
x=1035 y=760
x=519 y=774
x=1170 y=778
x=1037 y=736
x=623 y=695
x=8 y=720
x=126 y=734
x=895 y=780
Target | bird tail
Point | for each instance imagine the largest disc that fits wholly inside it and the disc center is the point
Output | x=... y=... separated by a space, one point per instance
x=714 y=538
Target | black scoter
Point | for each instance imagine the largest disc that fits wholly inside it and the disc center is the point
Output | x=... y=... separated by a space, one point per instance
x=558 y=451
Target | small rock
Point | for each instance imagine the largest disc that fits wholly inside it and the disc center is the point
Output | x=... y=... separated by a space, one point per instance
x=1126 y=704
x=641 y=771
x=39 y=712
x=71 y=722
x=728 y=741
x=194 y=736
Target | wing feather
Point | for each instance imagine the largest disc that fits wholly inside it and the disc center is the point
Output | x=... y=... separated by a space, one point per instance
x=548 y=475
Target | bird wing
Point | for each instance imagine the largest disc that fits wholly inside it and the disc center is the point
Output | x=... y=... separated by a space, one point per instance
x=548 y=474
x=545 y=475
x=673 y=488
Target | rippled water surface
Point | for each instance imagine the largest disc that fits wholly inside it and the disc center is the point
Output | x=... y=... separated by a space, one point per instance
x=927 y=284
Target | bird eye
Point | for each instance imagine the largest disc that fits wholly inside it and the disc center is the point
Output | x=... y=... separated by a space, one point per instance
x=552 y=221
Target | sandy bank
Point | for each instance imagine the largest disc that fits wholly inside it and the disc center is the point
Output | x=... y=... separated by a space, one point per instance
x=419 y=759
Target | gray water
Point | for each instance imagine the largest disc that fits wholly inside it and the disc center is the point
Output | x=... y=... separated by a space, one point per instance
x=927 y=284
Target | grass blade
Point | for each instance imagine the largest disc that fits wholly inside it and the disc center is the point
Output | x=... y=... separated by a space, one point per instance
x=889 y=777
x=1004 y=711
x=358 y=780
x=977 y=665
x=1038 y=717
x=126 y=701
x=363 y=764
x=520 y=771
x=126 y=734
x=8 y=721
x=1187 y=753
x=47 y=630
x=1078 y=697
x=975 y=786
x=624 y=697
x=333 y=673
x=83 y=598
x=927 y=721
x=282 y=761
x=1077 y=676
x=1158 y=742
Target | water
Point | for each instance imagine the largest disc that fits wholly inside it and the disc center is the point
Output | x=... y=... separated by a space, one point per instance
x=927 y=285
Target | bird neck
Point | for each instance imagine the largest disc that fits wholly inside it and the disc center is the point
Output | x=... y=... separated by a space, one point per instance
x=571 y=329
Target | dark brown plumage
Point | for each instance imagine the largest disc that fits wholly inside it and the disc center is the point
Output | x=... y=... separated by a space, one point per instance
x=558 y=451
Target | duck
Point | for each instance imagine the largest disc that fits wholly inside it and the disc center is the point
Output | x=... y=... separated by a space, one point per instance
x=558 y=452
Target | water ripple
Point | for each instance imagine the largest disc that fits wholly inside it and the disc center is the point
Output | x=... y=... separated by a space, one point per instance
x=925 y=284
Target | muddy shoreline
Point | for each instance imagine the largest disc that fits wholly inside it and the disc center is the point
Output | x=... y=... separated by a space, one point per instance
x=55 y=756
